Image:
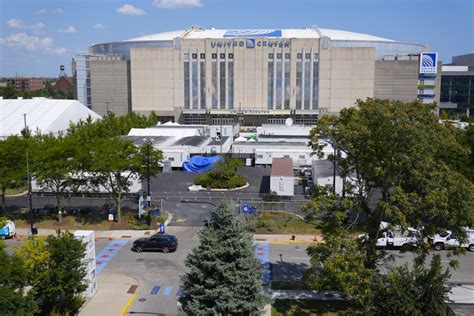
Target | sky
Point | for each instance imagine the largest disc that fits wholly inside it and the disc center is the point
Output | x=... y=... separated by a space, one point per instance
x=37 y=36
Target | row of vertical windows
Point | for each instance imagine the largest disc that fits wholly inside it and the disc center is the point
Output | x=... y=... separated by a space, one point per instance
x=203 y=83
x=270 y=85
x=304 y=87
x=230 y=84
x=186 y=85
x=214 y=85
x=194 y=81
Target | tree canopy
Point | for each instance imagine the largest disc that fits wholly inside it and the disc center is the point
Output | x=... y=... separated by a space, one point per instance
x=225 y=276
x=396 y=159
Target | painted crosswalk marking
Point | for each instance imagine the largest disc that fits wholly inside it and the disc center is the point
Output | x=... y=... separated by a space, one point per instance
x=262 y=252
x=168 y=290
x=155 y=290
x=107 y=253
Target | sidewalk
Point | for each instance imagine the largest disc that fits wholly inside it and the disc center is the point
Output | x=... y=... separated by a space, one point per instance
x=280 y=239
x=111 y=298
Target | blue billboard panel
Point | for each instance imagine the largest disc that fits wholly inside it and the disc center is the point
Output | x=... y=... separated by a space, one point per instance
x=252 y=33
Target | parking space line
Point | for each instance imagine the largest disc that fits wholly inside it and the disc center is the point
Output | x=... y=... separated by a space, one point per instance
x=168 y=290
x=155 y=290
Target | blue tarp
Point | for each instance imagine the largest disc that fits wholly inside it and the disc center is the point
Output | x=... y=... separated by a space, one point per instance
x=200 y=163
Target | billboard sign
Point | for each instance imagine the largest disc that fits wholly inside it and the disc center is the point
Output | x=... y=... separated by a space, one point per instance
x=252 y=33
x=428 y=63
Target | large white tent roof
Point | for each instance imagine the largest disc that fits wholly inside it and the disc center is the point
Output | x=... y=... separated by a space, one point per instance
x=45 y=115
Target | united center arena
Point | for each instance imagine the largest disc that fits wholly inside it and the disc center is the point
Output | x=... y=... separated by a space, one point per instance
x=251 y=76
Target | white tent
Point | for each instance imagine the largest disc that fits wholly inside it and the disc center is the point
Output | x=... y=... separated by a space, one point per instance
x=45 y=115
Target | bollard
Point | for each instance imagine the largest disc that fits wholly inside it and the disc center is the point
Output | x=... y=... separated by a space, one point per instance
x=293 y=237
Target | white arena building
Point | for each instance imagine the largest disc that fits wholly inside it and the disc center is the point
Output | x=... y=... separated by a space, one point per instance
x=251 y=76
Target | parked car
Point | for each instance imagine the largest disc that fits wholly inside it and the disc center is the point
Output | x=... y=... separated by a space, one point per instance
x=8 y=230
x=157 y=242
x=448 y=239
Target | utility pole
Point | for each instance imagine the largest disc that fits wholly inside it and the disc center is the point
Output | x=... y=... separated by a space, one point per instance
x=30 y=201
x=107 y=102
x=334 y=171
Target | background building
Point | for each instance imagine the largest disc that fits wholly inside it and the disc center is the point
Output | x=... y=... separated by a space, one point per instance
x=23 y=84
x=457 y=85
x=255 y=77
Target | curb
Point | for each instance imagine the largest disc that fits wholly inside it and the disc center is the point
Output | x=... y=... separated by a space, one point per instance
x=169 y=219
x=235 y=189
x=17 y=195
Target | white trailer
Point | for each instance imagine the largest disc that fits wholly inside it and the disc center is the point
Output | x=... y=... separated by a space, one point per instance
x=448 y=239
x=87 y=237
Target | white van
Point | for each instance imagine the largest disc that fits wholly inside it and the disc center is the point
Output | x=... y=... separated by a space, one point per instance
x=448 y=239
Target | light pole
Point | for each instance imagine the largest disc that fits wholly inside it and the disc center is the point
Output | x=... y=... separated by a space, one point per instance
x=30 y=201
x=148 y=143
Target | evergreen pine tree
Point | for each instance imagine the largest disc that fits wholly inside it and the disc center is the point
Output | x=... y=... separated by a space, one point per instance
x=225 y=276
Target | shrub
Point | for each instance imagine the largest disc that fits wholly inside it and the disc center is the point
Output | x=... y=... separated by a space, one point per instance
x=223 y=176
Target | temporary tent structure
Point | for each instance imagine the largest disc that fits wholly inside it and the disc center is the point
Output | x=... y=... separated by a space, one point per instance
x=42 y=114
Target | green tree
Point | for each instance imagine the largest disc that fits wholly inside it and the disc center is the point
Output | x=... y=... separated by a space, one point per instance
x=12 y=165
x=224 y=276
x=9 y=92
x=395 y=154
x=13 y=280
x=60 y=282
x=54 y=168
x=420 y=291
x=35 y=256
x=114 y=162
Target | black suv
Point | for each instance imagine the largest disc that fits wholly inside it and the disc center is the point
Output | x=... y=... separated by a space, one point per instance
x=165 y=243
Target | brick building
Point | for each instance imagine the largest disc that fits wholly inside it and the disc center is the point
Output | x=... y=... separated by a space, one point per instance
x=26 y=84
x=64 y=84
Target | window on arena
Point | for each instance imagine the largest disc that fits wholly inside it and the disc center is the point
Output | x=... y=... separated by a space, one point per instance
x=186 y=85
x=270 y=84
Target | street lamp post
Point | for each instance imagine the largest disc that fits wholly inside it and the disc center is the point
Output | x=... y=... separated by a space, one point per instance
x=148 y=143
x=30 y=200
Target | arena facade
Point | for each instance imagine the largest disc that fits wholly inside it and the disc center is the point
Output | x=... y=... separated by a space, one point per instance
x=252 y=76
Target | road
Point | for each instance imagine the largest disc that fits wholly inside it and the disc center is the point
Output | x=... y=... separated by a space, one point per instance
x=158 y=274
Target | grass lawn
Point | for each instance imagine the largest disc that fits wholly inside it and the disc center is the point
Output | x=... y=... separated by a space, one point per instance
x=284 y=223
x=88 y=222
x=312 y=307
x=18 y=190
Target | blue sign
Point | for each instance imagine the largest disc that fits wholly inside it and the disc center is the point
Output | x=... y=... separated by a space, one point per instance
x=162 y=228
x=253 y=33
x=250 y=43
x=428 y=63
x=155 y=212
x=247 y=209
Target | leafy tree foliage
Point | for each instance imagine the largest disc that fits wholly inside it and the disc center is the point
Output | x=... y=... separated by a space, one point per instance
x=224 y=276
x=12 y=164
x=13 y=280
x=54 y=167
x=60 y=280
x=114 y=162
x=420 y=291
x=34 y=255
x=395 y=155
x=9 y=92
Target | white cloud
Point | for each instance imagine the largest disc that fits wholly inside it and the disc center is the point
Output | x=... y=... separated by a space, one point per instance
x=99 y=26
x=19 y=24
x=56 y=11
x=173 y=4
x=32 y=43
x=130 y=10
x=69 y=29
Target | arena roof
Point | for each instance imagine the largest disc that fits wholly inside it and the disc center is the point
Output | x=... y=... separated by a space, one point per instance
x=45 y=115
x=196 y=33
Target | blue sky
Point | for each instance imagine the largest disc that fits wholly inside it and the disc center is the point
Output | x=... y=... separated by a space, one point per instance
x=36 y=36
